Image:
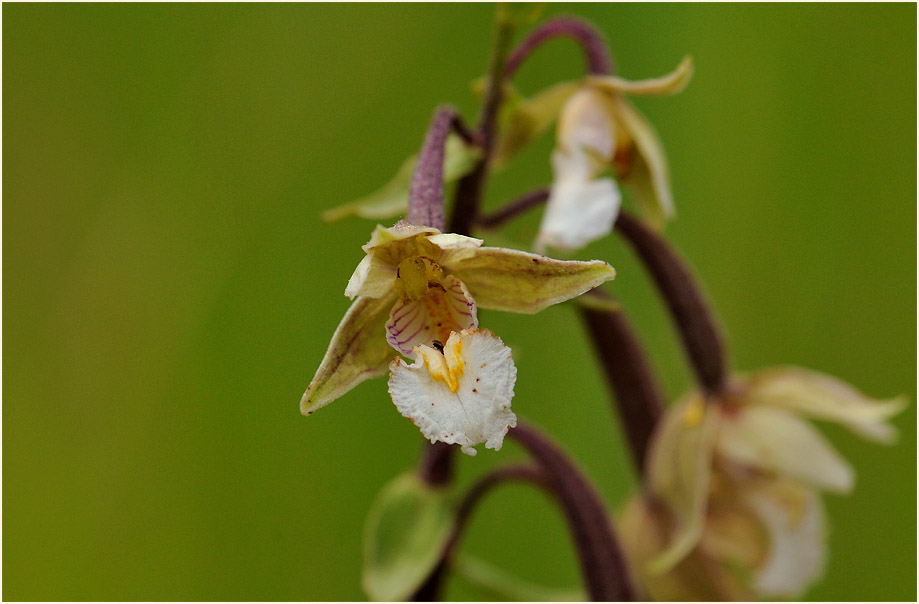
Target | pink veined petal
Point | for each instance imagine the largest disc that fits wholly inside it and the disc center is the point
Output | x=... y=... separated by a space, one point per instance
x=433 y=317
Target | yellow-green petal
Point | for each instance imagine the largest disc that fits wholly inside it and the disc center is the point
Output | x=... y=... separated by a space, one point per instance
x=671 y=83
x=405 y=534
x=515 y=281
x=781 y=443
x=825 y=398
x=358 y=352
x=649 y=176
x=680 y=468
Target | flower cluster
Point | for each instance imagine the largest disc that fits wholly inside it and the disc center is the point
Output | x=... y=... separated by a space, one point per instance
x=734 y=486
x=733 y=474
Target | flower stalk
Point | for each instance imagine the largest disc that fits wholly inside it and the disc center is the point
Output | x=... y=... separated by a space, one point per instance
x=638 y=397
x=431 y=588
x=470 y=188
x=588 y=38
x=513 y=208
x=691 y=312
x=603 y=562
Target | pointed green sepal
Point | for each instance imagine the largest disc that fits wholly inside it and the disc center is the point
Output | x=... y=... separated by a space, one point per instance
x=391 y=199
x=515 y=281
x=358 y=352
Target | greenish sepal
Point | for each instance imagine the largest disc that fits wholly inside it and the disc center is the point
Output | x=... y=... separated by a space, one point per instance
x=391 y=199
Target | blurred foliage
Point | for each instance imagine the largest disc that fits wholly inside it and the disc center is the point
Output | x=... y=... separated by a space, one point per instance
x=170 y=288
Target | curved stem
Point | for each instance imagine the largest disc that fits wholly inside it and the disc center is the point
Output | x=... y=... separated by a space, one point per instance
x=430 y=589
x=513 y=208
x=690 y=310
x=470 y=187
x=635 y=390
x=602 y=560
x=438 y=460
x=588 y=38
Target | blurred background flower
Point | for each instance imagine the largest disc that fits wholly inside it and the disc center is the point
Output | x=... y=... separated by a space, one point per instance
x=170 y=287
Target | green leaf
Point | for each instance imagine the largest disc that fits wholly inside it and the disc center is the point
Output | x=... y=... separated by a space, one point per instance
x=391 y=199
x=406 y=531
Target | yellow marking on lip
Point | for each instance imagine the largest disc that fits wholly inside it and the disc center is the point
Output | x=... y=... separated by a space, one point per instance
x=447 y=367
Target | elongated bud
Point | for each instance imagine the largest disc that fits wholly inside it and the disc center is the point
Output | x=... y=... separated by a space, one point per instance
x=426 y=193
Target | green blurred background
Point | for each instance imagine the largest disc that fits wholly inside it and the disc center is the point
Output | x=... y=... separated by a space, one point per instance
x=169 y=289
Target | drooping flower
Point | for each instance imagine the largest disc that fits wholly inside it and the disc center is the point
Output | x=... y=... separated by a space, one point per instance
x=416 y=287
x=598 y=129
x=734 y=487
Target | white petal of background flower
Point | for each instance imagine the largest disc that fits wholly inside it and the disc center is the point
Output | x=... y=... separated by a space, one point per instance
x=579 y=211
x=794 y=519
x=778 y=441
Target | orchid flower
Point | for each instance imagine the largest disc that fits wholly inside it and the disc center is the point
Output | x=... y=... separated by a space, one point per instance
x=416 y=293
x=736 y=481
x=597 y=129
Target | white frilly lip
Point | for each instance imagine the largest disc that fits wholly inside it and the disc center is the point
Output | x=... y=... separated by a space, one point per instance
x=461 y=395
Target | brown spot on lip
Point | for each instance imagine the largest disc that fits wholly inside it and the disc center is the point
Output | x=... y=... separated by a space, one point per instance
x=474 y=391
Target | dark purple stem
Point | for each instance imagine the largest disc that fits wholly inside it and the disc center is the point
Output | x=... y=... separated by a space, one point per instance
x=430 y=589
x=470 y=188
x=436 y=462
x=436 y=467
x=602 y=560
x=690 y=310
x=590 y=40
x=518 y=206
x=628 y=374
